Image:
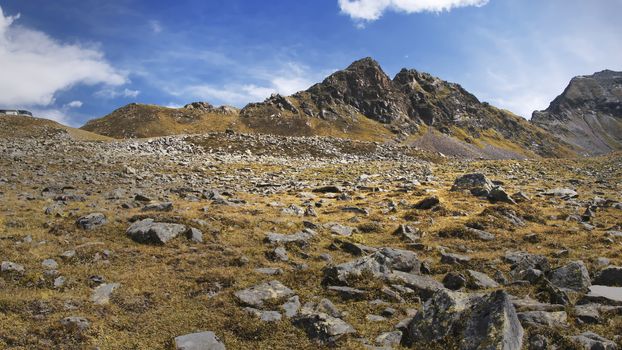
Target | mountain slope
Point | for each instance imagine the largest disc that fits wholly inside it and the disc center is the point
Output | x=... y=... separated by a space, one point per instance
x=139 y=121
x=18 y=127
x=588 y=114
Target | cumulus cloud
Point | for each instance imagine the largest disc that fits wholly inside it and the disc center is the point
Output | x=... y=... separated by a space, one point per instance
x=74 y=104
x=371 y=10
x=290 y=78
x=35 y=66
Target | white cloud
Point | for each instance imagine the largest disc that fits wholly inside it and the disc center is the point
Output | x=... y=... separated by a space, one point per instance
x=110 y=93
x=371 y=10
x=290 y=78
x=74 y=104
x=35 y=66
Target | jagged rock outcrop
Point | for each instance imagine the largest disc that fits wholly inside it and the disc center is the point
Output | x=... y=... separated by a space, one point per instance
x=588 y=114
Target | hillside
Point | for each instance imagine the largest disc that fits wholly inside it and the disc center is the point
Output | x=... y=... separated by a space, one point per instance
x=588 y=114
x=140 y=121
x=17 y=127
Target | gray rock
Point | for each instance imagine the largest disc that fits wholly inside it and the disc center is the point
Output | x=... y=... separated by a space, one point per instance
x=588 y=313
x=610 y=276
x=101 y=295
x=198 y=341
x=593 y=341
x=375 y=318
x=424 y=286
x=454 y=259
x=291 y=306
x=478 y=184
x=195 y=235
x=322 y=327
x=271 y=271
x=562 y=192
x=75 y=324
x=348 y=293
x=49 y=264
x=279 y=254
x=165 y=206
x=454 y=280
x=9 y=267
x=573 y=276
x=148 y=231
x=379 y=264
x=476 y=321
x=91 y=221
x=498 y=194
x=543 y=318
x=478 y=280
x=341 y=230
x=300 y=238
x=265 y=316
x=603 y=295
x=257 y=295
x=59 y=282
x=389 y=338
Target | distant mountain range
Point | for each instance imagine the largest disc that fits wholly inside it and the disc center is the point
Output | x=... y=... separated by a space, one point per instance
x=362 y=102
x=588 y=114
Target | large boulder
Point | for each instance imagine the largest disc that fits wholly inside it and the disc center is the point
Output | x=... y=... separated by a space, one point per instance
x=573 y=276
x=472 y=321
x=198 y=341
x=478 y=184
x=148 y=231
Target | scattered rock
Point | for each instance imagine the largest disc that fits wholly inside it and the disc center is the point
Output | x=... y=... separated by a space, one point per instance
x=593 y=341
x=101 y=294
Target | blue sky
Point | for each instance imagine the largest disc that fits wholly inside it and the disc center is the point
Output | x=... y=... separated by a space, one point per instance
x=74 y=60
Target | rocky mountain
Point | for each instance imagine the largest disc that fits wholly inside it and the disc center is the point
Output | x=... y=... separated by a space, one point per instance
x=588 y=114
x=139 y=120
x=414 y=106
x=360 y=102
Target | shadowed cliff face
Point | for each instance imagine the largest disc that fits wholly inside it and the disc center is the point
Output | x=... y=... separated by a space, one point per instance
x=588 y=114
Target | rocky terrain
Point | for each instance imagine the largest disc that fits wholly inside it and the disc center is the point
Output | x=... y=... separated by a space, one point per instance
x=588 y=114
x=243 y=241
x=362 y=103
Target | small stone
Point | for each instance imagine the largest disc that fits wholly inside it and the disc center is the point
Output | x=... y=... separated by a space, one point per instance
x=75 y=324
x=91 y=221
x=49 y=264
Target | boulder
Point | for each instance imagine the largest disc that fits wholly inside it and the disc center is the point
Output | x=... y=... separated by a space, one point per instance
x=473 y=321
x=573 y=276
x=478 y=184
x=198 y=341
x=91 y=221
x=150 y=232
x=543 y=318
x=610 y=276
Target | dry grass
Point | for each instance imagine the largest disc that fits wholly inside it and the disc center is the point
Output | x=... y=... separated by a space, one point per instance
x=166 y=291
